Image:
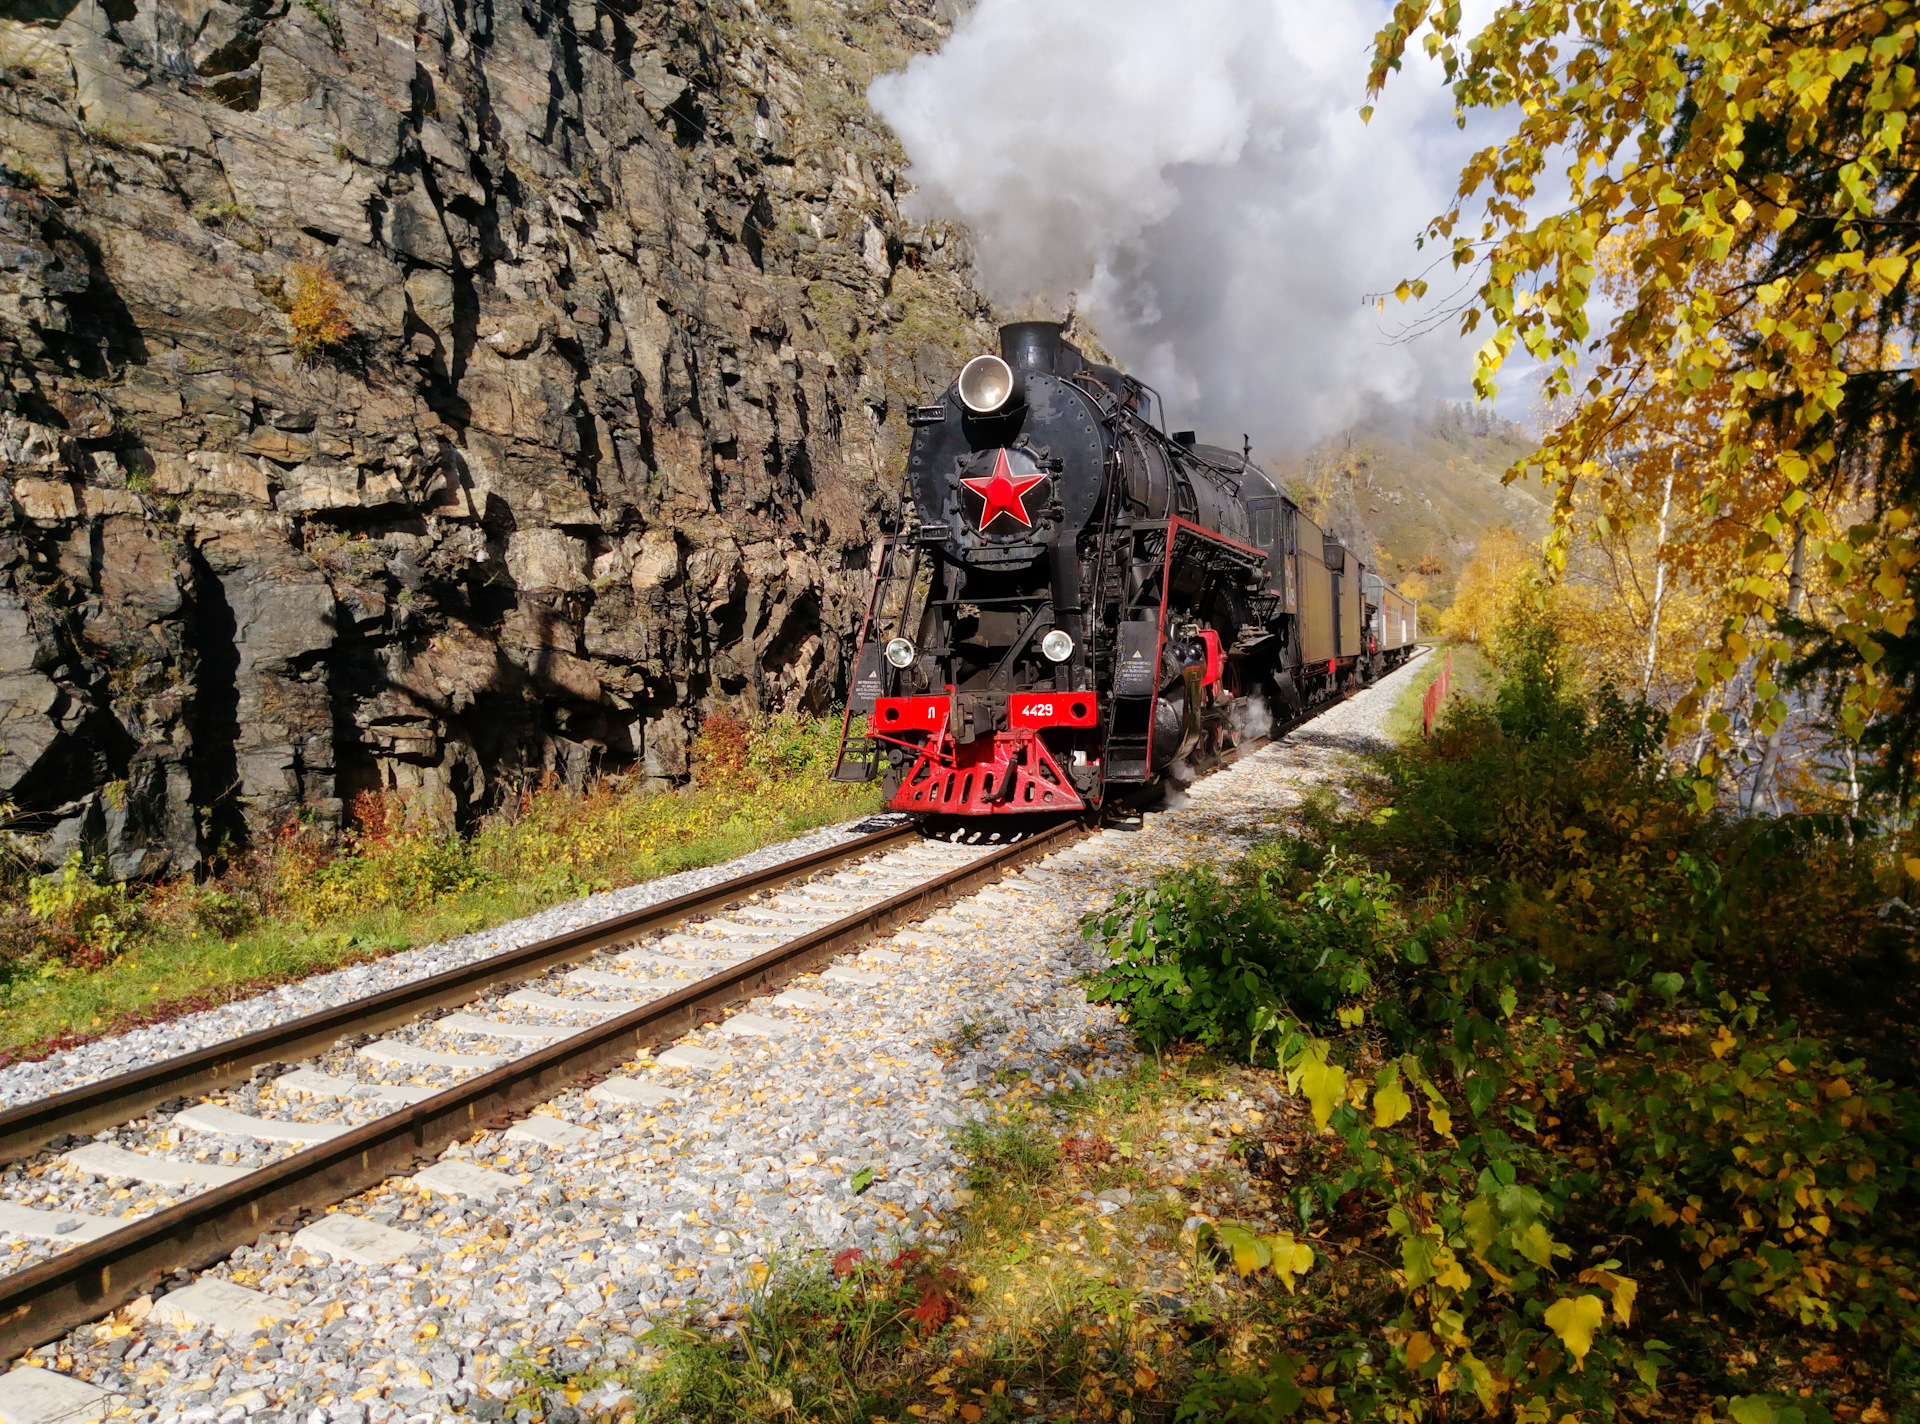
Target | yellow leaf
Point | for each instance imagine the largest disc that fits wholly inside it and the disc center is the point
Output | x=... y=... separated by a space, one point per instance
x=1390 y=1101
x=1324 y=1083
x=1480 y=1223
x=1536 y=1245
x=1574 y=1318
x=1419 y=1349
x=1291 y=1258
x=1624 y=1291
x=1145 y=1378
x=1481 y=1377
x=1247 y=1251
x=1448 y=1272
x=1441 y=1118
x=1913 y=866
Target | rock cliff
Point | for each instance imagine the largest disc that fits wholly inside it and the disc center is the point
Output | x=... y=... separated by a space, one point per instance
x=426 y=393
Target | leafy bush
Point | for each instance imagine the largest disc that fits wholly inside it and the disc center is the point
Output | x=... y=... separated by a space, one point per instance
x=222 y=913
x=1788 y=1175
x=316 y=308
x=1222 y=962
x=563 y=840
x=1585 y=851
x=1562 y=1132
x=81 y=918
x=735 y=749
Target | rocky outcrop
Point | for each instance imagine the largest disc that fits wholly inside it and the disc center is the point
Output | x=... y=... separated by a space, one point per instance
x=631 y=323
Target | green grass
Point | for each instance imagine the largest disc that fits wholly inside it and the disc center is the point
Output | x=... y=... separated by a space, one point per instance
x=1473 y=679
x=1015 y=1151
x=90 y=958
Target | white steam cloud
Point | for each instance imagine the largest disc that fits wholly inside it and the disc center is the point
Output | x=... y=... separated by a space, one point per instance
x=1251 y=718
x=1195 y=177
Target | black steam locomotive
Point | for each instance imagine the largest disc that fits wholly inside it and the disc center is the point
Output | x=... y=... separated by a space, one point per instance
x=1081 y=603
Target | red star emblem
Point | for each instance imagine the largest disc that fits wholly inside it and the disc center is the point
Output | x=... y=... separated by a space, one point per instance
x=1004 y=492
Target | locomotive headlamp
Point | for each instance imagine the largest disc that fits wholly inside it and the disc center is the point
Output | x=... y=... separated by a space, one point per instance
x=900 y=652
x=986 y=384
x=1057 y=645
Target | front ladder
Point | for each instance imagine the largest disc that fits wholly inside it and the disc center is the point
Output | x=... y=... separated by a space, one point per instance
x=859 y=756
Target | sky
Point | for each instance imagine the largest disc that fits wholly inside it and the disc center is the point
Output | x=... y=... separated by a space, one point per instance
x=1193 y=176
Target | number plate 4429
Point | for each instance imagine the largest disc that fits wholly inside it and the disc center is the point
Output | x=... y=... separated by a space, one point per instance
x=1052 y=709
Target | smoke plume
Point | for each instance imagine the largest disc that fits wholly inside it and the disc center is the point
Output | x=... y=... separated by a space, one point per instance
x=1194 y=178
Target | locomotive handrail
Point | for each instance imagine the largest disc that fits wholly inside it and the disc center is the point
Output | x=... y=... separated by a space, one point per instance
x=881 y=573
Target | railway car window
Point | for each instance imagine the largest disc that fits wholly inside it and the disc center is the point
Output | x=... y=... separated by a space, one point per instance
x=1263 y=528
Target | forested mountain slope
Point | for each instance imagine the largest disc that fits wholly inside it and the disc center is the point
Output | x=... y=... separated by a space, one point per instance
x=1419 y=492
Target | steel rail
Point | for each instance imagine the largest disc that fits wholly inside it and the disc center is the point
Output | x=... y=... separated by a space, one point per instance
x=109 y=1102
x=47 y=1300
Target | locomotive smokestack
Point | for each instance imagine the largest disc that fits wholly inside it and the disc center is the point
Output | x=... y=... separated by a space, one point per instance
x=1038 y=346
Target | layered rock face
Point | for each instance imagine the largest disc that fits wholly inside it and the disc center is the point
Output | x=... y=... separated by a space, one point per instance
x=626 y=323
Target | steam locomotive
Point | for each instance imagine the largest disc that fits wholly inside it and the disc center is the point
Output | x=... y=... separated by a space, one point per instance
x=1080 y=603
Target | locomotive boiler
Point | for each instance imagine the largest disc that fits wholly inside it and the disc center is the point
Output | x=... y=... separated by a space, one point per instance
x=1079 y=603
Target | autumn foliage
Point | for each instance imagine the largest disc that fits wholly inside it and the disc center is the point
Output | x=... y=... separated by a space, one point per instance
x=1586 y=1168
x=1737 y=182
x=1500 y=574
x=316 y=308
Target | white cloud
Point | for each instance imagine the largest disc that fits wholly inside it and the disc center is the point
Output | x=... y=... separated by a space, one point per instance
x=1196 y=174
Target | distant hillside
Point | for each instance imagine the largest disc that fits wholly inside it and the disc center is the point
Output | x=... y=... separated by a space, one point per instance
x=1417 y=494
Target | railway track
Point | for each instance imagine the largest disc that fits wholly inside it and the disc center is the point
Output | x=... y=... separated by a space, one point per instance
x=166 y=1189
x=340 y=1122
